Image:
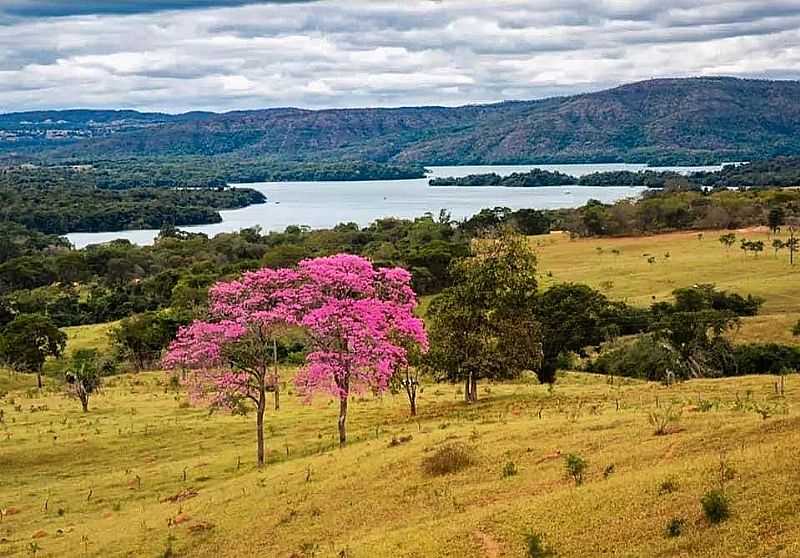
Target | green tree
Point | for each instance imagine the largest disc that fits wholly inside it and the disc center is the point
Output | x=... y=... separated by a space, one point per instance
x=572 y=317
x=775 y=219
x=142 y=338
x=28 y=340
x=727 y=240
x=84 y=376
x=483 y=326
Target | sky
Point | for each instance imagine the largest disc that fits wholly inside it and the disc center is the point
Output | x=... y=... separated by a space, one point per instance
x=181 y=55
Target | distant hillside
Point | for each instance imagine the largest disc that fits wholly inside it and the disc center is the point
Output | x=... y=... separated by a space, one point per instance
x=659 y=121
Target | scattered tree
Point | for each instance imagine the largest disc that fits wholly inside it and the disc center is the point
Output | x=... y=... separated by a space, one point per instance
x=28 y=340
x=728 y=240
x=84 y=376
x=483 y=326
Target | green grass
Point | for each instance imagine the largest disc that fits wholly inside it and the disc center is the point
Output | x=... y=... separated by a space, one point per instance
x=94 y=336
x=372 y=500
x=628 y=276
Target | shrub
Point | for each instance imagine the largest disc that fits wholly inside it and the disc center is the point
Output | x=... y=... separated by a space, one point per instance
x=576 y=466
x=716 y=506
x=766 y=358
x=675 y=527
x=510 y=469
x=536 y=547
x=449 y=459
x=663 y=419
x=668 y=486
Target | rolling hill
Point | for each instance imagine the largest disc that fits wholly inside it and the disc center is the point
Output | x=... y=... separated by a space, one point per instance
x=663 y=120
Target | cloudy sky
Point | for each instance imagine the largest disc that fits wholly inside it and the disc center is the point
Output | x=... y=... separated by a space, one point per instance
x=178 y=55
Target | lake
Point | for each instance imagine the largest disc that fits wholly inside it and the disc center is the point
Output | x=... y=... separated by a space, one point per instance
x=325 y=204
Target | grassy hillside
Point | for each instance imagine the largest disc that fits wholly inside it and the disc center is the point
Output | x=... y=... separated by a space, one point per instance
x=620 y=268
x=111 y=483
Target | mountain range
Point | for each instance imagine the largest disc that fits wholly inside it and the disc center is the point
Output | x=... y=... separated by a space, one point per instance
x=690 y=120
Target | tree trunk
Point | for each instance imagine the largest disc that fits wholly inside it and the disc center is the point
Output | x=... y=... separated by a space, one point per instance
x=343 y=420
x=467 y=387
x=262 y=403
x=85 y=403
x=39 y=379
x=277 y=378
x=473 y=391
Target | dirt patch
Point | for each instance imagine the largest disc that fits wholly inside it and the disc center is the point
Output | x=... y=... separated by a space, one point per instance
x=185 y=494
x=491 y=548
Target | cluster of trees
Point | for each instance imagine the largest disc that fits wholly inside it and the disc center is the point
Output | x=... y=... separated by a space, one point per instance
x=197 y=172
x=107 y=282
x=533 y=178
x=57 y=209
x=672 y=210
x=686 y=338
x=777 y=172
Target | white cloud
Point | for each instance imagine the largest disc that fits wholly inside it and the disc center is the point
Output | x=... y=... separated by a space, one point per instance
x=353 y=53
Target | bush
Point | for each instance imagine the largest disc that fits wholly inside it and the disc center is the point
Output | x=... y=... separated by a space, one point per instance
x=675 y=527
x=510 y=469
x=575 y=466
x=668 y=486
x=716 y=506
x=536 y=547
x=663 y=419
x=766 y=358
x=451 y=458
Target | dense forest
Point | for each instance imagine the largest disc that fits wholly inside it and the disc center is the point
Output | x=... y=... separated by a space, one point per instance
x=40 y=273
x=61 y=209
x=533 y=178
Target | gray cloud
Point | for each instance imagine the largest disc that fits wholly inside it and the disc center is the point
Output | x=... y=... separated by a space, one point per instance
x=225 y=55
x=61 y=8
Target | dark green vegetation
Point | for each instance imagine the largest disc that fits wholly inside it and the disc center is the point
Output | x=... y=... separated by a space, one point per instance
x=28 y=340
x=533 y=178
x=112 y=281
x=538 y=177
x=659 y=121
x=681 y=209
x=63 y=200
x=777 y=172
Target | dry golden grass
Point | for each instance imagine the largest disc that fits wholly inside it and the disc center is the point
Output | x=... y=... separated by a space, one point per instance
x=372 y=500
x=619 y=267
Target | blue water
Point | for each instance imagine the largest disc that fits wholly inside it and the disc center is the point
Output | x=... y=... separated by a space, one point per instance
x=325 y=204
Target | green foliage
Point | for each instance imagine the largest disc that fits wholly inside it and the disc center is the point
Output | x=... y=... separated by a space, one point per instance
x=765 y=358
x=28 y=340
x=715 y=505
x=510 y=469
x=448 y=459
x=572 y=317
x=483 y=325
x=142 y=338
x=675 y=527
x=84 y=375
x=663 y=419
x=75 y=203
x=576 y=467
x=536 y=548
x=532 y=178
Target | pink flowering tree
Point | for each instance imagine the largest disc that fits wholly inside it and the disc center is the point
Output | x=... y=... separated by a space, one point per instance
x=233 y=354
x=361 y=324
x=359 y=321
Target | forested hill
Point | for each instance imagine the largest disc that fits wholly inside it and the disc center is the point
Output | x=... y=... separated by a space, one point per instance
x=663 y=121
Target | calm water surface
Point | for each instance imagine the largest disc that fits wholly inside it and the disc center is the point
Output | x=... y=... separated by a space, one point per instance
x=325 y=204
